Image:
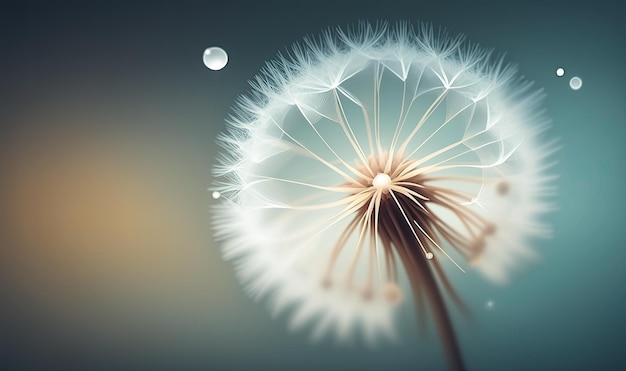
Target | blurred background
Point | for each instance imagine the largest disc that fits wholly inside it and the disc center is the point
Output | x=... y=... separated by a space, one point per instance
x=107 y=125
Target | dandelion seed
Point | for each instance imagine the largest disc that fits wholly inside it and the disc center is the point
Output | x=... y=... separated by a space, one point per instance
x=375 y=154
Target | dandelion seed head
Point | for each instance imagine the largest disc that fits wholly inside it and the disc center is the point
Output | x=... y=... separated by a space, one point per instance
x=377 y=153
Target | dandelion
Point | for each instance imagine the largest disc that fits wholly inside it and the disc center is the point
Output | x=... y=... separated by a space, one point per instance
x=376 y=156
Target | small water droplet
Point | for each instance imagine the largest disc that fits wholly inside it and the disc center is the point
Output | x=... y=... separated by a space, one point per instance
x=429 y=255
x=575 y=83
x=215 y=58
x=216 y=195
x=560 y=71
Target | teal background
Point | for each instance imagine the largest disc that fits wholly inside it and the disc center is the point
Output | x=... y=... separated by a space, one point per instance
x=108 y=119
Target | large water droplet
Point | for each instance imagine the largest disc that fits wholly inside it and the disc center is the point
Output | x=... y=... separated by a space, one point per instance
x=215 y=58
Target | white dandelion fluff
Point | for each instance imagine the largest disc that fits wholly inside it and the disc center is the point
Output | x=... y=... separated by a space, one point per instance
x=375 y=153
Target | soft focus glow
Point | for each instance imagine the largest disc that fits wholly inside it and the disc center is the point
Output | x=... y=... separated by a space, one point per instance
x=215 y=58
x=101 y=249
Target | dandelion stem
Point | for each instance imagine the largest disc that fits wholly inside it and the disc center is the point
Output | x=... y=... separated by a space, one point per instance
x=365 y=221
x=337 y=189
x=437 y=245
x=347 y=129
x=423 y=280
x=436 y=131
x=425 y=117
x=426 y=253
x=317 y=157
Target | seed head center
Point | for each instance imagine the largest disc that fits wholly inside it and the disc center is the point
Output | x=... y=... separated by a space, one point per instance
x=382 y=182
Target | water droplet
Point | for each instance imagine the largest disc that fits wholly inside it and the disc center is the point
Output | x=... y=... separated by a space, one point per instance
x=215 y=58
x=560 y=71
x=216 y=195
x=575 y=83
x=429 y=255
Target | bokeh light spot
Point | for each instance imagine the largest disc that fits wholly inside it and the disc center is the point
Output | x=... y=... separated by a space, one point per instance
x=575 y=83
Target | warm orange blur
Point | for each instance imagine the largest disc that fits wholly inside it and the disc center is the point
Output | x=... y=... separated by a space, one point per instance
x=87 y=214
x=107 y=240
